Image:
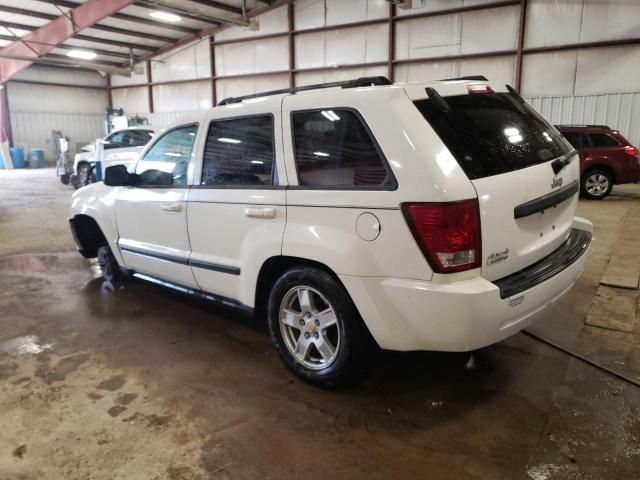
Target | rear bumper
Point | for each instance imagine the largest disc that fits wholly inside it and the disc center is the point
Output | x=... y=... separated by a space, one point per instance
x=405 y=314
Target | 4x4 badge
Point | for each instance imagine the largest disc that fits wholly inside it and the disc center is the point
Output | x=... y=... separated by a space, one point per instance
x=557 y=182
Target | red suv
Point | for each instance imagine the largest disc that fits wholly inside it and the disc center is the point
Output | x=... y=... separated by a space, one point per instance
x=606 y=158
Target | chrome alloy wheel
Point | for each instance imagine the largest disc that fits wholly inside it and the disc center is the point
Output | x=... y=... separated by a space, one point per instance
x=309 y=327
x=596 y=184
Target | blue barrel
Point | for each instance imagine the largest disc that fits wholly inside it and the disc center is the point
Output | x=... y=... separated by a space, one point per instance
x=36 y=158
x=17 y=157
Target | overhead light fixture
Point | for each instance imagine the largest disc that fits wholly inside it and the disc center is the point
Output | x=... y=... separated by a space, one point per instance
x=82 y=54
x=165 y=16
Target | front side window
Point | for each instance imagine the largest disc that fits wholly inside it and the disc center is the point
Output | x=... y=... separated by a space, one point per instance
x=602 y=140
x=167 y=161
x=333 y=148
x=239 y=152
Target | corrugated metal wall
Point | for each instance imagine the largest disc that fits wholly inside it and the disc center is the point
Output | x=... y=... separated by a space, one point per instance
x=34 y=129
x=620 y=111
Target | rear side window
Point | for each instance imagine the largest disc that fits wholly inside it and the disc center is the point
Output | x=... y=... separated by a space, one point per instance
x=603 y=140
x=239 y=152
x=577 y=140
x=334 y=149
x=493 y=133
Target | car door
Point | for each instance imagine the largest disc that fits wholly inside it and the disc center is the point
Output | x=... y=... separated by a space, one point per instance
x=152 y=216
x=236 y=207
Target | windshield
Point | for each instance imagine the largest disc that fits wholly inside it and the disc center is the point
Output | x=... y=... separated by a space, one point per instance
x=493 y=133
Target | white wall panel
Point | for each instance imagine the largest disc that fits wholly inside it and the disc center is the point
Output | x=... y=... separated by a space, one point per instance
x=310 y=78
x=620 y=111
x=162 y=120
x=470 y=32
x=550 y=22
x=252 y=57
x=320 y=13
x=499 y=70
x=274 y=21
x=134 y=100
x=604 y=70
x=190 y=62
x=182 y=96
x=549 y=74
x=605 y=20
x=67 y=76
x=342 y=47
x=33 y=130
x=134 y=79
x=437 y=5
x=489 y=30
x=246 y=86
x=47 y=98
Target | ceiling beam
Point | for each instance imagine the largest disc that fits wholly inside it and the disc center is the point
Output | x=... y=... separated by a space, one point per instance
x=104 y=28
x=219 y=6
x=62 y=46
x=129 y=18
x=197 y=15
x=86 y=38
x=55 y=33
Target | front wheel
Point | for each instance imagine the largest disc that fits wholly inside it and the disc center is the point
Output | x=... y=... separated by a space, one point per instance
x=316 y=328
x=596 y=184
x=111 y=271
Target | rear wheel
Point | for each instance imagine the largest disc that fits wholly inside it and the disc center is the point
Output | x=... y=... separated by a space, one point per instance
x=597 y=184
x=316 y=328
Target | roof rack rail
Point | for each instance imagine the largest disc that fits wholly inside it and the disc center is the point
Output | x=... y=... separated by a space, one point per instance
x=470 y=77
x=358 y=82
x=602 y=127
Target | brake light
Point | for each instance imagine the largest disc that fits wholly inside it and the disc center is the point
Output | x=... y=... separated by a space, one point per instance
x=479 y=89
x=447 y=233
x=633 y=151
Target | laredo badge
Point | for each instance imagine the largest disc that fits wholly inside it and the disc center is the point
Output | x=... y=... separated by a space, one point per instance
x=498 y=257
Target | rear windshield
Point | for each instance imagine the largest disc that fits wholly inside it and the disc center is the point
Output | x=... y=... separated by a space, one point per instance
x=493 y=133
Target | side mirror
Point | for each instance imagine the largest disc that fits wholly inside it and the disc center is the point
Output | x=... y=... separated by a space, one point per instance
x=117 y=176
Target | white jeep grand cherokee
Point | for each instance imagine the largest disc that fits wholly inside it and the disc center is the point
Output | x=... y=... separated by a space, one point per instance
x=427 y=216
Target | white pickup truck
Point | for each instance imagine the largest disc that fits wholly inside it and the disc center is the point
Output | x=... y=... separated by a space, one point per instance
x=422 y=216
x=120 y=147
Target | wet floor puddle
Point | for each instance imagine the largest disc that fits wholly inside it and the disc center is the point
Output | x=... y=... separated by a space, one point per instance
x=25 y=345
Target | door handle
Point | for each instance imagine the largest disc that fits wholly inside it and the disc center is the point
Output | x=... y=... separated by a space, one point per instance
x=171 y=207
x=267 y=212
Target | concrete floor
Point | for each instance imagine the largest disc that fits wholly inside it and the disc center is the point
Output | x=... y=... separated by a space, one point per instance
x=144 y=383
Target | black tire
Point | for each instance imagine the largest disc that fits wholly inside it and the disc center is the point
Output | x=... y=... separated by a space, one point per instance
x=111 y=271
x=86 y=175
x=596 y=184
x=350 y=360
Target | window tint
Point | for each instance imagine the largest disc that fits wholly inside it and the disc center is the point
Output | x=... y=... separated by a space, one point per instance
x=493 y=133
x=334 y=149
x=602 y=140
x=167 y=160
x=577 y=140
x=136 y=138
x=115 y=140
x=239 y=152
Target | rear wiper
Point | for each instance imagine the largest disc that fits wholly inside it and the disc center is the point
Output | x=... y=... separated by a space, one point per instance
x=559 y=163
x=439 y=102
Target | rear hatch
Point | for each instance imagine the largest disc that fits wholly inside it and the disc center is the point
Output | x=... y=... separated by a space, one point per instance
x=508 y=152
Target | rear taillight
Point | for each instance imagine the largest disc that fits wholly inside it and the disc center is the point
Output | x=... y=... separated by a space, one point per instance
x=448 y=233
x=629 y=150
